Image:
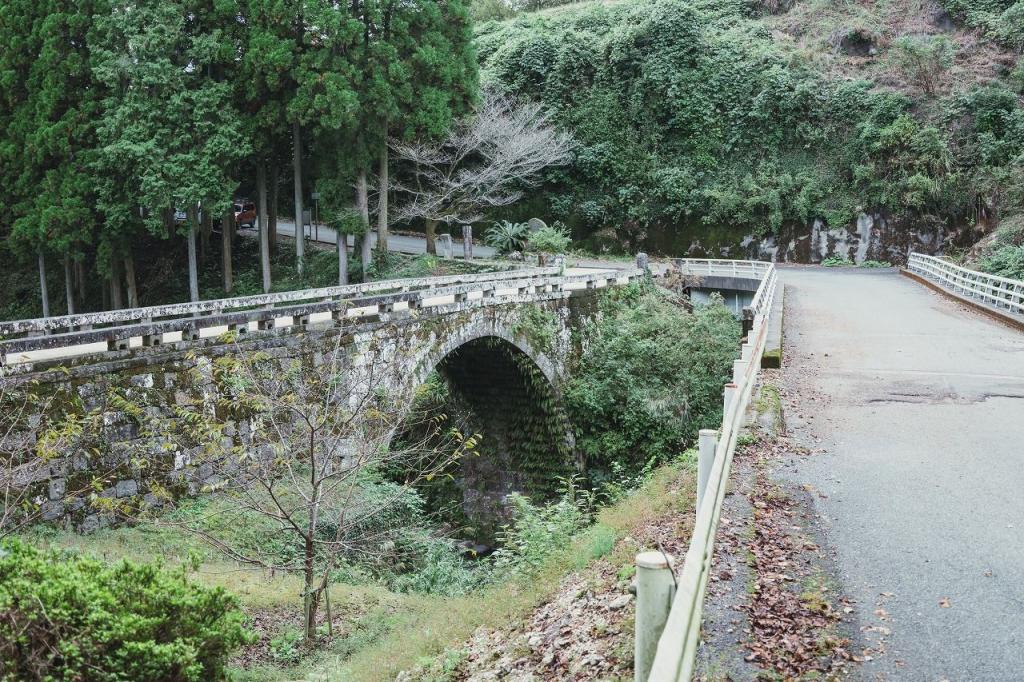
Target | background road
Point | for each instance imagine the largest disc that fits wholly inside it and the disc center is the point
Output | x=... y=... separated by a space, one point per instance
x=918 y=403
x=396 y=242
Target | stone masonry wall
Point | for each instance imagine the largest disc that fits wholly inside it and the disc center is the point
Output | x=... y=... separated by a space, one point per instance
x=119 y=463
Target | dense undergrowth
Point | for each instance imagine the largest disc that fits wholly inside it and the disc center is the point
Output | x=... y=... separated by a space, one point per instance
x=731 y=113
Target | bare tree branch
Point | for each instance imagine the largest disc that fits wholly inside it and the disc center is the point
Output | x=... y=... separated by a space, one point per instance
x=485 y=161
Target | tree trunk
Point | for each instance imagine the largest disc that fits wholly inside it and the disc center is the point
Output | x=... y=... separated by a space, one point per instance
x=261 y=192
x=69 y=285
x=227 y=228
x=116 y=299
x=168 y=214
x=272 y=211
x=300 y=241
x=432 y=236
x=193 y=267
x=129 y=278
x=206 y=231
x=342 y=246
x=363 y=206
x=106 y=293
x=311 y=595
x=43 y=293
x=80 y=283
x=382 y=204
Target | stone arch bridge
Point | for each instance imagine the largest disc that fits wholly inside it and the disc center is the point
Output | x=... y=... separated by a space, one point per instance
x=502 y=339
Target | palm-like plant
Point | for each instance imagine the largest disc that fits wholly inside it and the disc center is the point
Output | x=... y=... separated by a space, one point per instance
x=507 y=236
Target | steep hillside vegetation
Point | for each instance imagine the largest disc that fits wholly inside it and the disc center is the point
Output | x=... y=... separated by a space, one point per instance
x=812 y=126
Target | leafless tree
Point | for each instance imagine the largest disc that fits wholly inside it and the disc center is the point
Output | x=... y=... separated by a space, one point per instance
x=316 y=434
x=487 y=160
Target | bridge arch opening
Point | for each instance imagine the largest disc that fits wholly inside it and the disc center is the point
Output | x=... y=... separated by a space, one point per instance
x=491 y=386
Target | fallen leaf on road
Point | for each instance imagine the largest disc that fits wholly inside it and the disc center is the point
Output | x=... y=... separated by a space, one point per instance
x=944 y=602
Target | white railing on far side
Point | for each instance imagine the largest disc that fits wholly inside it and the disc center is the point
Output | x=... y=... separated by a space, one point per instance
x=1000 y=292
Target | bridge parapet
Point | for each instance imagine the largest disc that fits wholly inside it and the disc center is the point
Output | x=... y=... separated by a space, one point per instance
x=78 y=335
x=672 y=655
x=129 y=316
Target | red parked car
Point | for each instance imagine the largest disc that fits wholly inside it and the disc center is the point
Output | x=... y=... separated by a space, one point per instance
x=245 y=213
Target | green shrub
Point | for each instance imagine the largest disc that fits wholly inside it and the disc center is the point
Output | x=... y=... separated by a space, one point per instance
x=68 y=617
x=1005 y=261
x=286 y=648
x=549 y=239
x=837 y=262
x=873 y=264
x=923 y=59
x=439 y=570
x=536 y=531
x=651 y=375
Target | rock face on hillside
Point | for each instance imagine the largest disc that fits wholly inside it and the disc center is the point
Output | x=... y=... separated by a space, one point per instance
x=873 y=236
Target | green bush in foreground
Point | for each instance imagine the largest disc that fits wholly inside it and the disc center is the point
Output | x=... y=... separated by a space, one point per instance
x=73 y=618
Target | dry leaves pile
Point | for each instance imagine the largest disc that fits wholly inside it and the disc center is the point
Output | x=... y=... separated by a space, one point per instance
x=791 y=616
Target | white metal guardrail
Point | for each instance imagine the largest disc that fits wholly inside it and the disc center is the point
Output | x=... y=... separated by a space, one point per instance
x=705 y=267
x=677 y=649
x=1000 y=292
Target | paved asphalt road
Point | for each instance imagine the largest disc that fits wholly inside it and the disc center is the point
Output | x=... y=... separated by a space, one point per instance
x=396 y=242
x=918 y=403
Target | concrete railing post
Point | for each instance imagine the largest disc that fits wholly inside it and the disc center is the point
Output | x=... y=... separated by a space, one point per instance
x=739 y=368
x=560 y=264
x=727 y=397
x=655 y=589
x=707 y=445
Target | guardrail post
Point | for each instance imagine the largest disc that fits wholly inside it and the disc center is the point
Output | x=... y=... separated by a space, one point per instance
x=707 y=445
x=746 y=350
x=655 y=589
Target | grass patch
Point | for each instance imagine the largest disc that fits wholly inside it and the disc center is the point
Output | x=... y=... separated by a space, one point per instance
x=425 y=626
x=388 y=632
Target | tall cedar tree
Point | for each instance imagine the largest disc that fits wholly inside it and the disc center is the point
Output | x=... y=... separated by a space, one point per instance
x=49 y=103
x=170 y=136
